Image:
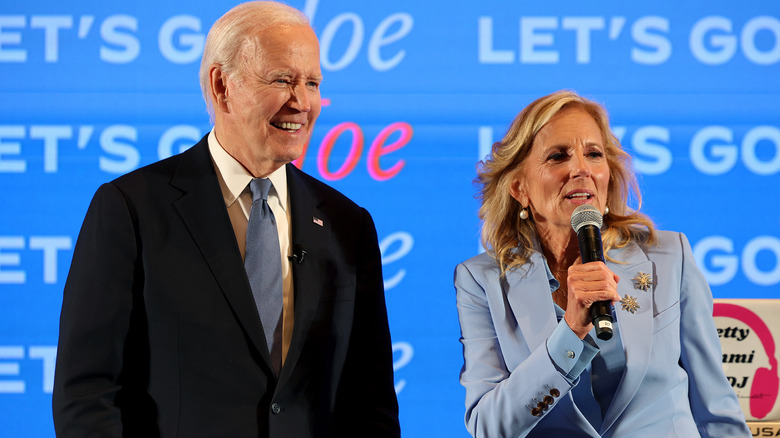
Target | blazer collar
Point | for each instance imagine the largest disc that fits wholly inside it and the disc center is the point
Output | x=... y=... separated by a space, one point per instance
x=527 y=289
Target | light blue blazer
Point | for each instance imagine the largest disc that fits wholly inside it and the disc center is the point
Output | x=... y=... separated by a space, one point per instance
x=673 y=384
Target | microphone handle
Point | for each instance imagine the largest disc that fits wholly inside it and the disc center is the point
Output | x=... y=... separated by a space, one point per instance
x=589 y=238
x=591 y=250
x=601 y=314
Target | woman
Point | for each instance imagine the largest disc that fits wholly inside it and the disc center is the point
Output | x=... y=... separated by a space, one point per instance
x=532 y=363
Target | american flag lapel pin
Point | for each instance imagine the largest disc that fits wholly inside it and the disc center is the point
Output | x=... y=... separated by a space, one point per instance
x=316 y=220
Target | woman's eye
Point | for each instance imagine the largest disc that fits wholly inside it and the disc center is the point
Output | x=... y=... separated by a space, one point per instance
x=556 y=156
x=595 y=154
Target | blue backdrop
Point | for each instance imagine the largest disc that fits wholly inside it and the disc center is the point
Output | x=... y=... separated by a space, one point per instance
x=416 y=91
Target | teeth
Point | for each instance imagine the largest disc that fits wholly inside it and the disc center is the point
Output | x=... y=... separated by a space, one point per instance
x=579 y=195
x=289 y=126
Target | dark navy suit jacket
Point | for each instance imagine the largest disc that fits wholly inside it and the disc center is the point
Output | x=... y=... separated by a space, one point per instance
x=159 y=332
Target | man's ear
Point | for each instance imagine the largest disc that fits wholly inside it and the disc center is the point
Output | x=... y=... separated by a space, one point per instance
x=517 y=190
x=219 y=88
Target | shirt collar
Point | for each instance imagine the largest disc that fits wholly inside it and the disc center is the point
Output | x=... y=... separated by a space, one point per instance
x=237 y=178
x=554 y=283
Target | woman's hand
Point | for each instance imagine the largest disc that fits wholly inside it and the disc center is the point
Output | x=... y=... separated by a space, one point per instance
x=588 y=283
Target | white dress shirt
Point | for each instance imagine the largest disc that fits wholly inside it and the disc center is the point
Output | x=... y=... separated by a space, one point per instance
x=234 y=181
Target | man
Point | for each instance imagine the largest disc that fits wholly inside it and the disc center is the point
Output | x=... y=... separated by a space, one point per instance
x=164 y=330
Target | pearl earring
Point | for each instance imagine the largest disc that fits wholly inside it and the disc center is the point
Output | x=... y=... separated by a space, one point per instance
x=524 y=214
x=606 y=211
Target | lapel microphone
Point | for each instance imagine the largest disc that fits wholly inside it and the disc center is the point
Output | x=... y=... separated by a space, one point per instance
x=586 y=221
x=298 y=255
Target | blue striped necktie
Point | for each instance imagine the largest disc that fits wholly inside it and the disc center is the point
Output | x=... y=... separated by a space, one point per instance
x=263 y=266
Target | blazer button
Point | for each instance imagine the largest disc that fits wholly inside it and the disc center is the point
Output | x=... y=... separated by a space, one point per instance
x=548 y=400
x=554 y=392
x=275 y=408
x=536 y=412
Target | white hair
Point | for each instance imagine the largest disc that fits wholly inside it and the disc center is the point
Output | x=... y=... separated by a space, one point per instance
x=234 y=32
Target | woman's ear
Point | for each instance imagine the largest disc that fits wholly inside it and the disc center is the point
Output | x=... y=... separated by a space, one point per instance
x=517 y=190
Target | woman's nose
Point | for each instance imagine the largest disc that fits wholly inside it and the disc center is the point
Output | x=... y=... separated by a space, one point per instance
x=580 y=166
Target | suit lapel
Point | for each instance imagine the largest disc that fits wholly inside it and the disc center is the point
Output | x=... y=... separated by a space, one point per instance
x=310 y=233
x=531 y=301
x=203 y=211
x=529 y=297
x=636 y=329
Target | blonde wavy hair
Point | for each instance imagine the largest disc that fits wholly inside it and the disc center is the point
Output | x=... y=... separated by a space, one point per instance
x=509 y=239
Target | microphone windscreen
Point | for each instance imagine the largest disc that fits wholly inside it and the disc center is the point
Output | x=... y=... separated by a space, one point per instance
x=586 y=214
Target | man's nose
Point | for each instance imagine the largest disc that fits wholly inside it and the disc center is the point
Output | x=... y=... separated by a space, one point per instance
x=299 y=98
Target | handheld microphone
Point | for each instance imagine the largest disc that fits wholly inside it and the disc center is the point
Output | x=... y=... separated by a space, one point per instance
x=586 y=221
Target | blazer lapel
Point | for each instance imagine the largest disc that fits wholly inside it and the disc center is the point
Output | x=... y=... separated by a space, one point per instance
x=203 y=211
x=310 y=233
x=636 y=329
x=530 y=300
